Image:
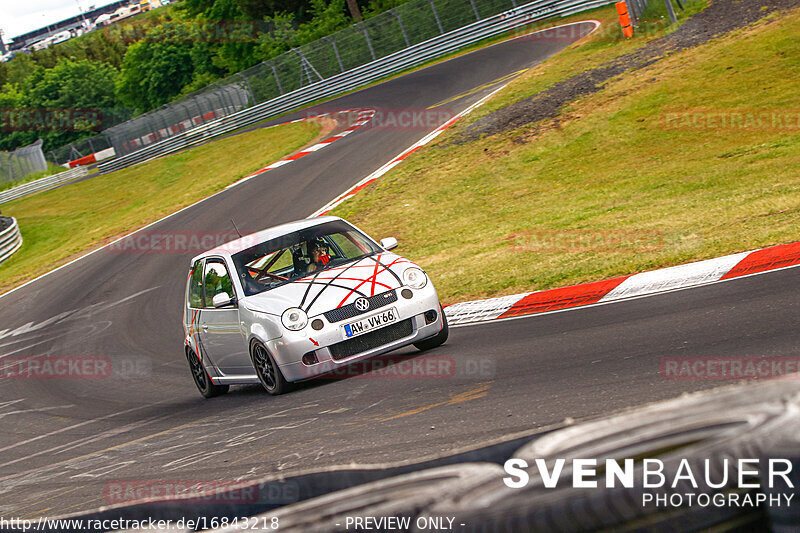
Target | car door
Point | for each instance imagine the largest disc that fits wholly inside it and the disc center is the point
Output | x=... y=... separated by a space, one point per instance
x=220 y=331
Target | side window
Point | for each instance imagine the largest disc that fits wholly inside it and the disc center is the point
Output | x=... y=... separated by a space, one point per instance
x=348 y=247
x=196 y=285
x=216 y=280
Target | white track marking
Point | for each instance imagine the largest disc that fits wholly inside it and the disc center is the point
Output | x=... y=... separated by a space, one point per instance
x=34 y=410
x=75 y=426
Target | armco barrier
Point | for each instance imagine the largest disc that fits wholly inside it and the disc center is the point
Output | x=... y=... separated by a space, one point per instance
x=359 y=76
x=42 y=184
x=10 y=240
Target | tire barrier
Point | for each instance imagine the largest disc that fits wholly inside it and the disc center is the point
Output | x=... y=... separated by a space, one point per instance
x=397 y=501
x=10 y=237
x=702 y=432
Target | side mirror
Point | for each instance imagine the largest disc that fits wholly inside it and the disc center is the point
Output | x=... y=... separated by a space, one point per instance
x=222 y=299
x=389 y=243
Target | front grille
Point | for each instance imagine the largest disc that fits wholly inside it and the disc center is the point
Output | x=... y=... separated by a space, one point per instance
x=371 y=340
x=349 y=310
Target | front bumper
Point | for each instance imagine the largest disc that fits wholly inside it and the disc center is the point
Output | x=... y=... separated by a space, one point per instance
x=290 y=348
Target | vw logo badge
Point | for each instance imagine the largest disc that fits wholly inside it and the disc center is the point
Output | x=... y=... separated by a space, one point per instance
x=362 y=304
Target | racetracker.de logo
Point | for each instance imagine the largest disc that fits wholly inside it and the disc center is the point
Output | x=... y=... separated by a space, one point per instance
x=50 y=119
x=188 y=31
x=579 y=241
x=179 y=242
x=574 y=32
x=726 y=368
x=735 y=120
x=233 y=492
x=422 y=367
x=401 y=118
x=55 y=367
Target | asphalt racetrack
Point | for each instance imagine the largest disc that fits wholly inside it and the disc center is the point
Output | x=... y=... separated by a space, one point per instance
x=65 y=440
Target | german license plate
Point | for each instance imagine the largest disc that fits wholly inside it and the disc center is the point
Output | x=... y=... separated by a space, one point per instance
x=365 y=325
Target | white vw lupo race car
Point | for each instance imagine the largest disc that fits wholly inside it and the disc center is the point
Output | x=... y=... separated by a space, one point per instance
x=299 y=300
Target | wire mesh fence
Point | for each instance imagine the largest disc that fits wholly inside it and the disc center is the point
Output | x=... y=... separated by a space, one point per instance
x=391 y=31
x=179 y=116
x=78 y=149
x=22 y=162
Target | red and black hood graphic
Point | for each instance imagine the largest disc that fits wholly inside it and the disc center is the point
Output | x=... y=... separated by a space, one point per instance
x=336 y=286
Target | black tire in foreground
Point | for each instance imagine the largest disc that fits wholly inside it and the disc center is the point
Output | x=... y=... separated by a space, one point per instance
x=202 y=379
x=438 y=339
x=269 y=374
x=703 y=432
x=394 y=501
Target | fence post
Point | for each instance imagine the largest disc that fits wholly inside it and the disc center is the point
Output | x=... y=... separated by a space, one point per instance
x=306 y=68
x=402 y=27
x=436 y=16
x=329 y=39
x=366 y=36
x=474 y=9
x=199 y=111
x=671 y=12
x=277 y=79
x=249 y=88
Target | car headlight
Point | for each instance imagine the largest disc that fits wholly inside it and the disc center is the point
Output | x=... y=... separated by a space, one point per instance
x=414 y=278
x=294 y=319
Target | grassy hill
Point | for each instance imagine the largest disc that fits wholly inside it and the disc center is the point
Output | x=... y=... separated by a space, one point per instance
x=694 y=156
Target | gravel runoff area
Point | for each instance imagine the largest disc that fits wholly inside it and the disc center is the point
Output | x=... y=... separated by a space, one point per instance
x=720 y=17
x=4 y=222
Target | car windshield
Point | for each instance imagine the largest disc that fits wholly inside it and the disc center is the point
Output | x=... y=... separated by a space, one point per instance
x=298 y=254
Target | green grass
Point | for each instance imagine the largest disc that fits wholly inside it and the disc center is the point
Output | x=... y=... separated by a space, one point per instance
x=609 y=173
x=59 y=224
x=604 y=44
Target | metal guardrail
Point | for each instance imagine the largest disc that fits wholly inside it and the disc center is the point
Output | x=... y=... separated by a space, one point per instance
x=10 y=240
x=42 y=184
x=359 y=76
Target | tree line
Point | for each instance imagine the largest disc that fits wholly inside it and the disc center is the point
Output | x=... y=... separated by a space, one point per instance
x=77 y=88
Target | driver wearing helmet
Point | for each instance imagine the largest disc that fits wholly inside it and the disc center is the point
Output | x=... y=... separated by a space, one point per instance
x=318 y=254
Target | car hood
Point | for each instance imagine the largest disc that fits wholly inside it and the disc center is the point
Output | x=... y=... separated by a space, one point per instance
x=334 y=287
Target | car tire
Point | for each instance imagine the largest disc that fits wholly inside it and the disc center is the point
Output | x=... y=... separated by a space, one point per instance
x=438 y=339
x=201 y=378
x=705 y=430
x=268 y=371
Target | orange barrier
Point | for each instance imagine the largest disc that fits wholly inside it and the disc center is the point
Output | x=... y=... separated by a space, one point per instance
x=624 y=19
